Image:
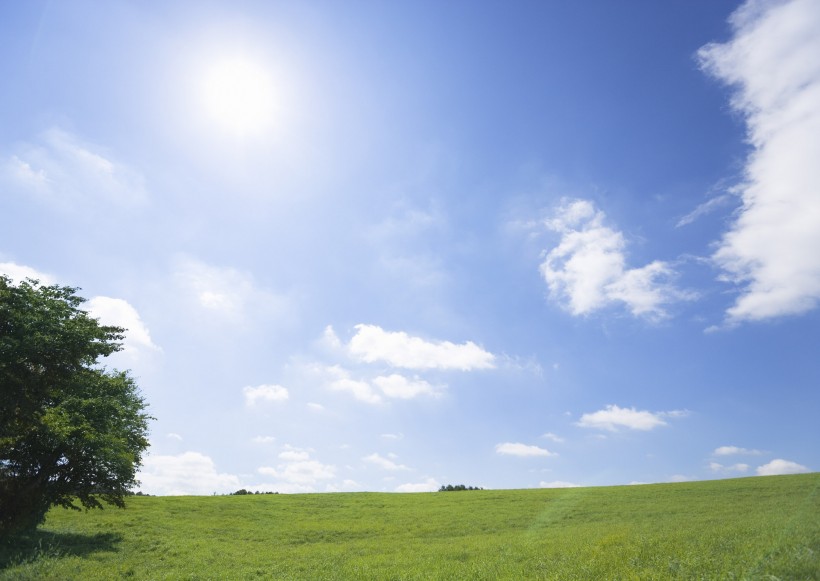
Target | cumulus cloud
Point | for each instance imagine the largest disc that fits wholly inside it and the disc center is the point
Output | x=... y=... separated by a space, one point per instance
x=118 y=312
x=19 y=272
x=429 y=485
x=297 y=472
x=183 y=474
x=339 y=379
x=263 y=439
x=587 y=270
x=612 y=417
x=735 y=450
x=770 y=250
x=780 y=466
x=264 y=393
x=374 y=390
x=523 y=450
x=384 y=463
x=371 y=344
x=63 y=171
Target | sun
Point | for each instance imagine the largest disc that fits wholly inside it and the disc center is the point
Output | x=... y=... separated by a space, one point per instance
x=238 y=95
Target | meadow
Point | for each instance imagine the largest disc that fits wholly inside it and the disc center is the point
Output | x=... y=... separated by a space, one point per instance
x=747 y=528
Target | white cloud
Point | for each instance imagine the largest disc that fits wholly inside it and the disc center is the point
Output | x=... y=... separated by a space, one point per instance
x=371 y=344
x=347 y=485
x=587 y=270
x=303 y=472
x=339 y=380
x=264 y=393
x=384 y=463
x=263 y=439
x=330 y=340
x=553 y=437
x=613 y=417
x=705 y=208
x=118 y=312
x=780 y=466
x=298 y=472
x=370 y=391
x=429 y=485
x=186 y=473
x=174 y=436
x=109 y=311
x=294 y=455
x=63 y=171
x=523 y=450
x=18 y=273
x=718 y=467
x=770 y=251
x=228 y=293
x=558 y=484
x=398 y=386
x=734 y=450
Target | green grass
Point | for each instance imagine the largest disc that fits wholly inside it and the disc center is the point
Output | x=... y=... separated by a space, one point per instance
x=749 y=528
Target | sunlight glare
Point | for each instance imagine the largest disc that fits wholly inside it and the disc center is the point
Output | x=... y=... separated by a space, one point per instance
x=238 y=94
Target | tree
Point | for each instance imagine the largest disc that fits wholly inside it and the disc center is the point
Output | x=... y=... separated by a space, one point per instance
x=70 y=429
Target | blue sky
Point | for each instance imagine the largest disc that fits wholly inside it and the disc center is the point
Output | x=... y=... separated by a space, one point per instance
x=395 y=245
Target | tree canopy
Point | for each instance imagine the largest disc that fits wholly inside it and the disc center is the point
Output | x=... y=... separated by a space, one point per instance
x=70 y=429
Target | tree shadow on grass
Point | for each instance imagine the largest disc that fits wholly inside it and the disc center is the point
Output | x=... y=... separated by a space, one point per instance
x=45 y=544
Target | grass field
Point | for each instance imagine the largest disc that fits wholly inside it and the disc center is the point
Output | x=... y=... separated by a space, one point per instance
x=749 y=528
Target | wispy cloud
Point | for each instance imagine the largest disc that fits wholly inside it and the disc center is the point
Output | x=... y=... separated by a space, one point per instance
x=558 y=484
x=228 y=294
x=720 y=468
x=398 y=386
x=384 y=463
x=705 y=208
x=587 y=270
x=555 y=438
x=65 y=172
x=429 y=485
x=612 y=418
x=735 y=450
x=523 y=450
x=770 y=251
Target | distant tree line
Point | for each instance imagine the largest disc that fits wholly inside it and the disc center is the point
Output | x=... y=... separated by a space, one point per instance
x=457 y=487
x=243 y=492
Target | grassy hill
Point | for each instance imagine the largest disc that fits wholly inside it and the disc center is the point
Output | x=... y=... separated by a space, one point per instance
x=749 y=528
